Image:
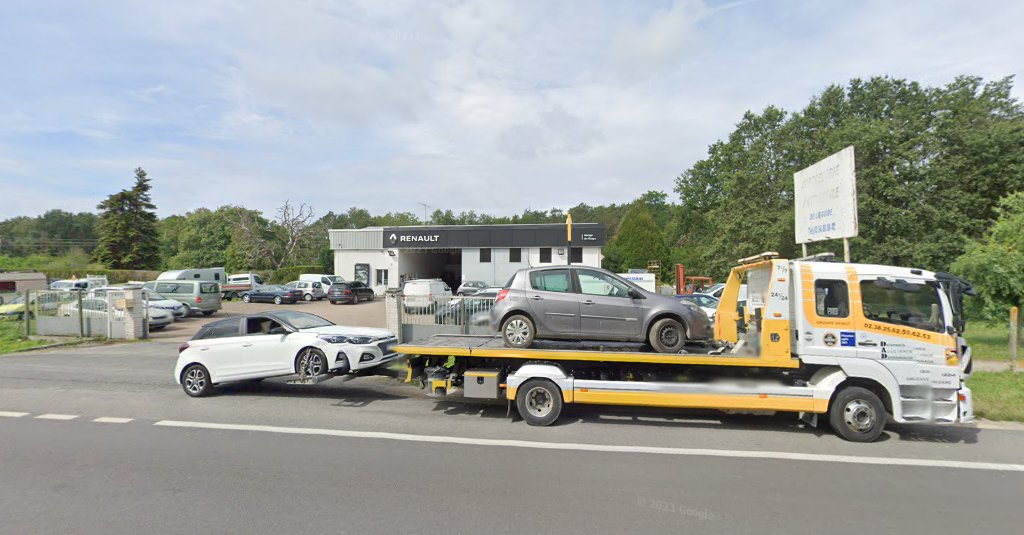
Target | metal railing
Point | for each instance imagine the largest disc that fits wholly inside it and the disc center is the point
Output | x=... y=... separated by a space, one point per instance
x=422 y=316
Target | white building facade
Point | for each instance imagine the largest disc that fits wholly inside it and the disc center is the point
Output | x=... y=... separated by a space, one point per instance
x=384 y=257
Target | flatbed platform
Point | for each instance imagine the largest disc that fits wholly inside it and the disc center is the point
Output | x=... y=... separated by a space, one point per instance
x=493 y=347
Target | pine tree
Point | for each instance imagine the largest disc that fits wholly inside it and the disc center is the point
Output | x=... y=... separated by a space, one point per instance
x=127 y=228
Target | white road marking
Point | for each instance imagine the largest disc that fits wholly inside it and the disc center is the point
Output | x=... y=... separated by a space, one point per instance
x=112 y=420
x=569 y=446
x=10 y=414
x=56 y=417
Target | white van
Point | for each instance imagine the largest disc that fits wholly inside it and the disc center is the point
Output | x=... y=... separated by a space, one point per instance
x=424 y=295
x=325 y=280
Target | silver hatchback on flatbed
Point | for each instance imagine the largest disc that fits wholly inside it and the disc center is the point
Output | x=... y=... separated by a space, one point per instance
x=586 y=303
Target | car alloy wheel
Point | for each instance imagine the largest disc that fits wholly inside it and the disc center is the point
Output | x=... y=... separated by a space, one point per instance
x=278 y=300
x=308 y=297
x=246 y=298
x=195 y=381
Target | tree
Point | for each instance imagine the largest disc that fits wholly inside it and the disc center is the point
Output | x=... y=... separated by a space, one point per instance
x=995 y=265
x=257 y=241
x=638 y=241
x=128 y=237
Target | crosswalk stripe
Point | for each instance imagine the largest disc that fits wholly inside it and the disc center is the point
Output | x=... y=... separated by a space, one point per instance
x=112 y=420
x=11 y=414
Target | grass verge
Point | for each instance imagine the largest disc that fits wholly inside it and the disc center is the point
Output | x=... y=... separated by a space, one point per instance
x=990 y=340
x=12 y=337
x=998 y=395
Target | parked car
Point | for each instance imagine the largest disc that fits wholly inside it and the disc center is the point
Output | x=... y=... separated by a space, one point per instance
x=96 y=307
x=715 y=290
x=198 y=296
x=422 y=295
x=273 y=293
x=279 y=343
x=240 y=283
x=472 y=306
x=162 y=302
x=325 y=280
x=706 y=303
x=88 y=283
x=349 y=292
x=470 y=287
x=15 y=308
x=577 y=303
x=310 y=289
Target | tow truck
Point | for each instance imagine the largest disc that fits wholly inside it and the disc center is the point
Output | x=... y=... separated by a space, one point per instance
x=855 y=345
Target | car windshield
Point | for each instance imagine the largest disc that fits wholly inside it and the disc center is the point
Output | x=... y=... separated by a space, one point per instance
x=302 y=320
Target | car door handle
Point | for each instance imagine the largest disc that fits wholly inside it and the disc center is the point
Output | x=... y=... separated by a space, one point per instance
x=246 y=345
x=868 y=344
x=588 y=302
x=536 y=298
x=204 y=349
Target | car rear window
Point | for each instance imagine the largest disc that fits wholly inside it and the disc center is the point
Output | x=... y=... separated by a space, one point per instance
x=208 y=288
x=556 y=280
x=221 y=329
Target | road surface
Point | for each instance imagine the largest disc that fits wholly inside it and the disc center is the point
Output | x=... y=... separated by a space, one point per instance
x=101 y=440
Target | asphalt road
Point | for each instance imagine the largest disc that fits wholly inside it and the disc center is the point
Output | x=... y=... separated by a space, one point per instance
x=374 y=455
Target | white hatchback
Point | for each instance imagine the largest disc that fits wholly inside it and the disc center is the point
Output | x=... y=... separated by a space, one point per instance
x=278 y=343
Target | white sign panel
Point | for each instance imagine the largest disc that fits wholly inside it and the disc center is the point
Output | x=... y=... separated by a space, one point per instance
x=646 y=281
x=826 y=199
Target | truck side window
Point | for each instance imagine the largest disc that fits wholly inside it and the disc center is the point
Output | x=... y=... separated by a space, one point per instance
x=831 y=299
x=920 y=309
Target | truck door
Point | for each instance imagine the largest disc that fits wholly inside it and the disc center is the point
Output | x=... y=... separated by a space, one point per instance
x=606 y=309
x=554 y=302
x=901 y=321
x=828 y=327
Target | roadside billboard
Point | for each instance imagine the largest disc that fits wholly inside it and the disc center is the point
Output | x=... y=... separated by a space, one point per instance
x=825 y=194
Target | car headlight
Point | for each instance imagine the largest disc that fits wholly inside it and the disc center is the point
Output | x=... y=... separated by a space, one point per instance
x=341 y=339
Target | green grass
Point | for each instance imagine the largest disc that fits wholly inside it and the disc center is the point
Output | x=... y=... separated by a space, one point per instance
x=12 y=337
x=990 y=340
x=998 y=395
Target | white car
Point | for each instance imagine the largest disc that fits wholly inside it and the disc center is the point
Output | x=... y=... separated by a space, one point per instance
x=278 y=343
x=159 y=302
x=96 y=307
x=424 y=295
x=310 y=289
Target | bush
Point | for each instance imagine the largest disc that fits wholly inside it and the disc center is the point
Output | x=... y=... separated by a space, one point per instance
x=995 y=265
x=290 y=273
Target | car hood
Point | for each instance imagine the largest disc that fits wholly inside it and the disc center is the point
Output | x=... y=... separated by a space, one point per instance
x=350 y=331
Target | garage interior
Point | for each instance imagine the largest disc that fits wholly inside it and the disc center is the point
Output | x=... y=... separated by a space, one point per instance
x=444 y=264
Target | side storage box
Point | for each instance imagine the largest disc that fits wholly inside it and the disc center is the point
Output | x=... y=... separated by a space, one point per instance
x=482 y=383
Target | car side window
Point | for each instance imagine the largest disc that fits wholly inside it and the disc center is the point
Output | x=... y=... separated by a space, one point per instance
x=260 y=326
x=597 y=283
x=221 y=329
x=553 y=280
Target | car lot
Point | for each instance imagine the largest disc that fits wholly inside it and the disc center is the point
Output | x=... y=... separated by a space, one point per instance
x=364 y=314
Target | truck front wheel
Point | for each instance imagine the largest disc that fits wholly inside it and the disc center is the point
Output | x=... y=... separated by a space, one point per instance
x=539 y=402
x=857 y=415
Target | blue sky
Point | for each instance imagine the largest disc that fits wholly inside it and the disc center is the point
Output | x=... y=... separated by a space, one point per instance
x=488 y=106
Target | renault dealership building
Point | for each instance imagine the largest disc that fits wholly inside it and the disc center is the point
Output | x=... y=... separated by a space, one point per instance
x=384 y=257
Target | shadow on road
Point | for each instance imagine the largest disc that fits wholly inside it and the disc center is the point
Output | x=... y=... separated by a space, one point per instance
x=344 y=394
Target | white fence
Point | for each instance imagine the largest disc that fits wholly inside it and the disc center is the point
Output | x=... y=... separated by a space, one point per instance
x=116 y=314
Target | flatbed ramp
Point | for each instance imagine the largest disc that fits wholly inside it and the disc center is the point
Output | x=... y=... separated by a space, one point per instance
x=493 y=347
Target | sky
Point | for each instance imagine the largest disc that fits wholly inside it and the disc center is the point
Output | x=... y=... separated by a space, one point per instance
x=488 y=106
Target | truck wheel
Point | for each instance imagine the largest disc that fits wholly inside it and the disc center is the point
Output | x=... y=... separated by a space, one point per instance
x=667 y=336
x=539 y=402
x=195 y=381
x=517 y=331
x=857 y=415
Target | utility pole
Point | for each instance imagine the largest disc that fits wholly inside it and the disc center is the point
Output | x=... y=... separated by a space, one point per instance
x=425 y=207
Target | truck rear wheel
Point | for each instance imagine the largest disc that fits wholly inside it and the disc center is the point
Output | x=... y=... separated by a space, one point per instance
x=667 y=336
x=857 y=415
x=539 y=402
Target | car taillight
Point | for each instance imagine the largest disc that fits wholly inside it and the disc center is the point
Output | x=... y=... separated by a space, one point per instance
x=348 y=292
x=501 y=295
x=182 y=347
x=199 y=299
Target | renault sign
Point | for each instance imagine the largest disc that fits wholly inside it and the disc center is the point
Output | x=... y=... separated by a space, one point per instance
x=826 y=199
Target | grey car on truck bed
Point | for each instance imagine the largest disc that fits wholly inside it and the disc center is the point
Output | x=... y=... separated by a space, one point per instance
x=585 y=303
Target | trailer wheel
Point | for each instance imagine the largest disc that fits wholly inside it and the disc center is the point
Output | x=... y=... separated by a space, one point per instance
x=518 y=331
x=539 y=402
x=667 y=336
x=857 y=415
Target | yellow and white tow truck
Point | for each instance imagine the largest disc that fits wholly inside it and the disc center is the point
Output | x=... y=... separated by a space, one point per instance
x=857 y=344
